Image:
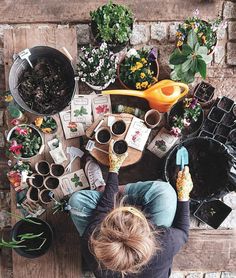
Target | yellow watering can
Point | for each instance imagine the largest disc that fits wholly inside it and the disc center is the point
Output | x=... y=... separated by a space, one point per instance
x=161 y=96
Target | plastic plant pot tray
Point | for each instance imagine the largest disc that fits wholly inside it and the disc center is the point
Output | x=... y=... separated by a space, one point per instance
x=223 y=130
x=229 y=119
x=225 y=104
x=209 y=126
x=216 y=114
x=204 y=133
x=213 y=213
x=204 y=92
x=220 y=138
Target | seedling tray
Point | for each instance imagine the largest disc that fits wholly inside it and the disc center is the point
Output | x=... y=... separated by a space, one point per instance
x=213 y=213
x=204 y=92
x=225 y=104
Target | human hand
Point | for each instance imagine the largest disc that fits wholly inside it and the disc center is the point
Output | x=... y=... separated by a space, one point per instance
x=115 y=160
x=184 y=184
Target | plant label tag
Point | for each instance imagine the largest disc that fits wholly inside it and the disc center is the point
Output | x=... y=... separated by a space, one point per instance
x=24 y=54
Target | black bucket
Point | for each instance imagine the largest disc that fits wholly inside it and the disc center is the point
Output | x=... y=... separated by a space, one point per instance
x=20 y=66
x=208 y=164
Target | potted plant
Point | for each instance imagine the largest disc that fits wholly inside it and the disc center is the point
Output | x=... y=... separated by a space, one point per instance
x=185 y=117
x=189 y=60
x=206 y=31
x=46 y=124
x=139 y=69
x=112 y=23
x=97 y=67
x=25 y=142
x=30 y=237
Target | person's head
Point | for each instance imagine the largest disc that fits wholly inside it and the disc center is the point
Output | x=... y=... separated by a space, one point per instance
x=125 y=241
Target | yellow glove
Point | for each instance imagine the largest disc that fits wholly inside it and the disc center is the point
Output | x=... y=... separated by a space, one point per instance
x=184 y=184
x=115 y=160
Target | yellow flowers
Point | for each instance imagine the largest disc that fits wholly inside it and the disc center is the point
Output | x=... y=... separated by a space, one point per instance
x=46 y=130
x=204 y=39
x=142 y=75
x=38 y=121
x=138 y=85
x=144 y=61
x=137 y=66
x=144 y=84
x=179 y=43
x=8 y=98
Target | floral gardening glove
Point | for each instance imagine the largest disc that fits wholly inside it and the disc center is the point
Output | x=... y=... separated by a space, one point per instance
x=184 y=184
x=115 y=160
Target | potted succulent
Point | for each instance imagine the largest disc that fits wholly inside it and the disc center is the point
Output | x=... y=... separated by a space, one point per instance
x=25 y=142
x=97 y=67
x=46 y=124
x=206 y=31
x=30 y=237
x=185 y=117
x=112 y=23
x=189 y=60
x=139 y=69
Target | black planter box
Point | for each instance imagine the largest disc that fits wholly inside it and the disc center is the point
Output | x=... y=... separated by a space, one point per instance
x=204 y=133
x=209 y=126
x=229 y=119
x=216 y=114
x=204 y=92
x=225 y=104
x=223 y=130
x=232 y=136
x=220 y=138
x=212 y=213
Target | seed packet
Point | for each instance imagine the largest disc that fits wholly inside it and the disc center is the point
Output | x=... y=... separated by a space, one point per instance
x=81 y=111
x=58 y=155
x=73 y=182
x=101 y=104
x=137 y=134
x=162 y=143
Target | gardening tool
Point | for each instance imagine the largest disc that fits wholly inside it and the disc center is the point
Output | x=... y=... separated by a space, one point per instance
x=91 y=145
x=182 y=157
x=161 y=96
x=24 y=54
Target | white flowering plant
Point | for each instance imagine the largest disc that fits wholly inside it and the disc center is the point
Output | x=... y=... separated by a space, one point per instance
x=97 y=66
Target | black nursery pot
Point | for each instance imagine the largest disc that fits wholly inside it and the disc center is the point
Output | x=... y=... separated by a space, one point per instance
x=225 y=104
x=208 y=164
x=209 y=126
x=229 y=119
x=216 y=114
x=212 y=213
x=223 y=130
x=204 y=92
x=22 y=227
x=194 y=127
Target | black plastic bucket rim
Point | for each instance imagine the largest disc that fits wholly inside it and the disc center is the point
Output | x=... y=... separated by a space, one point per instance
x=17 y=66
x=186 y=141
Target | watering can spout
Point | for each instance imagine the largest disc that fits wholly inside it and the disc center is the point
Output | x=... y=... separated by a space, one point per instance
x=161 y=96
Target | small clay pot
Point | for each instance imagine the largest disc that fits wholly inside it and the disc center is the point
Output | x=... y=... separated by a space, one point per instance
x=44 y=196
x=42 y=167
x=118 y=128
x=33 y=194
x=103 y=135
x=57 y=170
x=120 y=147
x=152 y=118
x=36 y=180
x=51 y=183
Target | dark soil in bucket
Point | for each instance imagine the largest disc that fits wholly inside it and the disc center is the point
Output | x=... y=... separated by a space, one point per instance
x=209 y=126
x=104 y=136
x=37 y=181
x=119 y=127
x=216 y=114
x=43 y=168
x=45 y=196
x=213 y=213
x=204 y=92
x=34 y=194
x=208 y=162
x=23 y=227
x=225 y=104
x=220 y=138
x=120 y=147
x=223 y=130
x=44 y=87
x=52 y=182
x=229 y=119
x=57 y=170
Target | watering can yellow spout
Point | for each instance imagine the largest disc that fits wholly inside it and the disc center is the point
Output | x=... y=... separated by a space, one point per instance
x=161 y=96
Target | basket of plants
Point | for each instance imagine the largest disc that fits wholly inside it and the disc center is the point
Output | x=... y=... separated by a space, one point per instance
x=113 y=24
x=139 y=69
x=97 y=67
x=46 y=124
x=185 y=118
x=25 y=142
x=43 y=82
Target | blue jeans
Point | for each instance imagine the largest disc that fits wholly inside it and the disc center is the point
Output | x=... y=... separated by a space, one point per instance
x=157 y=199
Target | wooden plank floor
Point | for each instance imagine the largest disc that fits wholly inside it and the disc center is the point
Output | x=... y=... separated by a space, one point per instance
x=206 y=250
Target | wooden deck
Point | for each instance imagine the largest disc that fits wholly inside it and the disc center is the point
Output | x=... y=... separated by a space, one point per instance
x=206 y=250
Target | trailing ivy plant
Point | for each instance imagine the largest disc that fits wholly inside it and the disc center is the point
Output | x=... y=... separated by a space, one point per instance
x=113 y=23
x=189 y=60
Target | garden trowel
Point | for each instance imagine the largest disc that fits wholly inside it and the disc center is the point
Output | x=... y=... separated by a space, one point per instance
x=182 y=157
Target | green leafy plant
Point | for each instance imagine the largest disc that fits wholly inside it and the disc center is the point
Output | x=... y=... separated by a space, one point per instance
x=136 y=70
x=24 y=218
x=113 y=23
x=46 y=124
x=80 y=112
x=76 y=181
x=21 y=166
x=97 y=66
x=189 y=60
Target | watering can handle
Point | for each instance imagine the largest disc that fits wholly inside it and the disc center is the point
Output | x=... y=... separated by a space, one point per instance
x=186 y=88
x=170 y=83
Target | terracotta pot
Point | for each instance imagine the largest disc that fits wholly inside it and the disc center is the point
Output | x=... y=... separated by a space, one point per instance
x=57 y=170
x=51 y=183
x=42 y=168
